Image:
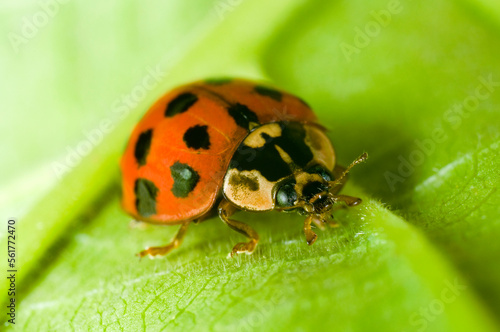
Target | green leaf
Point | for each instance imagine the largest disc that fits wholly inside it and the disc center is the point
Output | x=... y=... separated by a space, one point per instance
x=419 y=254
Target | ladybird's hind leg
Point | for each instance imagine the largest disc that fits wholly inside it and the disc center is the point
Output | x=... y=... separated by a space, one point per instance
x=226 y=210
x=163 y=250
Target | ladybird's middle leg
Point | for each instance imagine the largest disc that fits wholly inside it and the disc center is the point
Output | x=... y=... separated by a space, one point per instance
x=163 y=250
x=226 y=210
x=325 y=220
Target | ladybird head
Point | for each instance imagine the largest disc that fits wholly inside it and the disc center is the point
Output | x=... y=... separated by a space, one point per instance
x=307 y=191
x=311 y=191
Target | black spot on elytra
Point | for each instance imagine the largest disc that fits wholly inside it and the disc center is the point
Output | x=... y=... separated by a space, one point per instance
x=180 y=104
x=185 y=179
x=218 y=81
x=145 y=197
x=197 y=137
x=142 y=146
x=271 y=93
x=242 y=180
x=242 y=115
x=267 y=160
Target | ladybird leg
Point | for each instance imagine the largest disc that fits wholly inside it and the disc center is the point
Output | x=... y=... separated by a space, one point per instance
x=348 y=200
x=320 y=223
x=329 y=219
x=332 y=223
x=163 y=250
x=310 y=235
x=226 y=210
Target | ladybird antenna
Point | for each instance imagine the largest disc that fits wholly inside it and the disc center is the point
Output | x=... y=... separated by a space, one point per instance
x=358 y=160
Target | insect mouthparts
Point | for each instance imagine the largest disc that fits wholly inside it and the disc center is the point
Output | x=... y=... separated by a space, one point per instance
x=323 y=204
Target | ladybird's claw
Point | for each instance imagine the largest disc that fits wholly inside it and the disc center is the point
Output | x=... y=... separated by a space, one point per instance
x=356 y=202
x=311 y=237
x=244 y=247
x=153 y=252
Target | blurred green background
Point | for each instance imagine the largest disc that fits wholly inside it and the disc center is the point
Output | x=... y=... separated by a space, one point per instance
x=415 y=84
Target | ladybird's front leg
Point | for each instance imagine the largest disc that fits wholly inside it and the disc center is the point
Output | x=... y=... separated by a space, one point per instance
x=310 y=235
x=163 y=250
x=348 y=200
x=226 y=210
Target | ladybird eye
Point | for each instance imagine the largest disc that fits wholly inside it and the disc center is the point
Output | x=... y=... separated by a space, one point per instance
x=286 y=195
x=321 y=171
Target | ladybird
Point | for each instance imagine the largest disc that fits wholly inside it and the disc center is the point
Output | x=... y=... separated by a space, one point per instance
x=223 y=145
